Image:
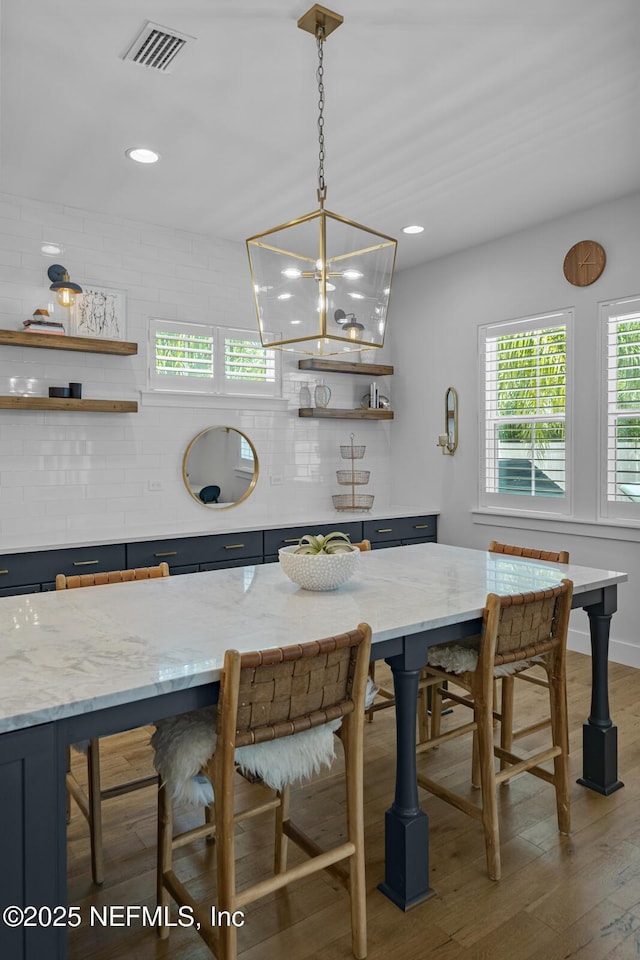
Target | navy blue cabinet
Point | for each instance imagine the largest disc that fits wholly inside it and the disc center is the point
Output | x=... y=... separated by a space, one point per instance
x=400 y=531
x=32 y=572
x=190 y=554
x=30 y=802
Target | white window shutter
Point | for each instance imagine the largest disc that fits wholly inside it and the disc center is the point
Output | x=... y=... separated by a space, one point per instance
x=524 y=414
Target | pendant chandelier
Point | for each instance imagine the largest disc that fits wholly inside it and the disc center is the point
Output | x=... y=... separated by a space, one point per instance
x=321 y=282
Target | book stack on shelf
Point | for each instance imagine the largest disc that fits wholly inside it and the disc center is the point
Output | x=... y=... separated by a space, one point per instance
x=41 y=322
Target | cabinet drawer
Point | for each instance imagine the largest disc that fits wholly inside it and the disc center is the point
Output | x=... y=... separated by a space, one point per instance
x=16 y=591
x=222 y=547
x=176 y=552
x=288 y=536
x=228 y=562
x=41 y=566
x=401 y=528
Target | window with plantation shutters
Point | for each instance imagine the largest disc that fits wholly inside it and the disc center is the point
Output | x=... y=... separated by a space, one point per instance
x=183 y=355
x=248 y=366
x=524 y=417
x=199 y=358
x=621 y=356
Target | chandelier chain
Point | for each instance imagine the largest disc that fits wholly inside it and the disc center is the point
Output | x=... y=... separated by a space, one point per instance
x=322 y=187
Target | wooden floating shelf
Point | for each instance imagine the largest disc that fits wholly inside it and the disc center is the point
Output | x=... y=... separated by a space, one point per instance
x=342 y=366
x=68 y=403
x=52 y=341
x=332 y=413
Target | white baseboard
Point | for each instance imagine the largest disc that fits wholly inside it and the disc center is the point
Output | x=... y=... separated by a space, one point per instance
x=619 y=651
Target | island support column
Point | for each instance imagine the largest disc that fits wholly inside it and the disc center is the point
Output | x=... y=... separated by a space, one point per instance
x=599 y=735
x=406 y=880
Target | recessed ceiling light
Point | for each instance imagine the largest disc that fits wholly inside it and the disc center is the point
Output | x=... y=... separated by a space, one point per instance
x=51 y=249
x=142 y=155
x=413 y=228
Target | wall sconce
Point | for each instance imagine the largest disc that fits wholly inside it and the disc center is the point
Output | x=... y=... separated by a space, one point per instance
x=65 y=289
x=349 y=323
x=449 y=441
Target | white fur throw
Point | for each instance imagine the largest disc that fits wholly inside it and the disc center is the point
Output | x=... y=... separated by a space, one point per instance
x=185 y=743
x=457 y=659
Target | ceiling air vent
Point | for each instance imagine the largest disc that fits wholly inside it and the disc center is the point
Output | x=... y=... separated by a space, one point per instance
x=157 y=47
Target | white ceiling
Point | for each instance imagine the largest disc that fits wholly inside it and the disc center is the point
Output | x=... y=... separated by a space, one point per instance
x=473 y=117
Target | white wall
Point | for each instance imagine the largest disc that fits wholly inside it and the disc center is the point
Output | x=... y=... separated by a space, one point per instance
x=69 y=478
x=437 y=309
x=75 y=477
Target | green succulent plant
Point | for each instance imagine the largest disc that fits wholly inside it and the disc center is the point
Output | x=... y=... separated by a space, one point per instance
x=335 y=542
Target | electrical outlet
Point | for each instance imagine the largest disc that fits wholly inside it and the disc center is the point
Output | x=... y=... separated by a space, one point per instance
x=155 y=486
x=276 y=479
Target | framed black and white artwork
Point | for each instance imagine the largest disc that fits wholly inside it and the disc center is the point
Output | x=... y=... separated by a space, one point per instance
x=99 y=312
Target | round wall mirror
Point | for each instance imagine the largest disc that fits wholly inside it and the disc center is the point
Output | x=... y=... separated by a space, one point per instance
x=220 y=467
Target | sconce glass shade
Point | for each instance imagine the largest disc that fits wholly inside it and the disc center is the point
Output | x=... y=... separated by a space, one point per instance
x=321 y=284
x=65 y=290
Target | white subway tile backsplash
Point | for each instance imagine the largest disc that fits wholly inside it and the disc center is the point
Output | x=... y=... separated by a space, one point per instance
x=20 y=228
x=22 y=476
x=34 y=530
x=10 y=210
x=75 y=477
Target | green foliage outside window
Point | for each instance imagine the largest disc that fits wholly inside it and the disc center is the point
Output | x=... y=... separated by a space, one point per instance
x=184 y=355
x=245 y=362
x=628 y=379
x=531 y=372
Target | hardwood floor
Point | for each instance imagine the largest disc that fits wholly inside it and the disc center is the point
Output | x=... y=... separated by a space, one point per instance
x=560 y=897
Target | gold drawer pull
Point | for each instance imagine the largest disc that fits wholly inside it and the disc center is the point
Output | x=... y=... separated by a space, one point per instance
x=167 y=553
x=4 y=571
x=85 y=563
x=292 y=540
x=386 y=530
x=420 y=526
x=234 y=546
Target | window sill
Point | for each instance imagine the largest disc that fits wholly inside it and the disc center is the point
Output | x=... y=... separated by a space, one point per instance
x=604 y=529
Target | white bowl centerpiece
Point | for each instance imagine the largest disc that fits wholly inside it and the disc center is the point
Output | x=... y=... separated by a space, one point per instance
x=320 y=563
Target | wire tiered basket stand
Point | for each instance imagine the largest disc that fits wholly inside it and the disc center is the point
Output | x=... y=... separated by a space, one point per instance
x=352 y=478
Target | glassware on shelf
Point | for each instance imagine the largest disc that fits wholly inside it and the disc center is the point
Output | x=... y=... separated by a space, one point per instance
x=305 y=395
x=322 y=394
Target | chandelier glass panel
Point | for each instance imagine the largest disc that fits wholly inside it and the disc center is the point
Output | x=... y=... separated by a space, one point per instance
x=321 y=282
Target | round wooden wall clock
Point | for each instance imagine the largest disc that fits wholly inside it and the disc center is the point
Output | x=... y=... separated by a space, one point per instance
x=584 y=263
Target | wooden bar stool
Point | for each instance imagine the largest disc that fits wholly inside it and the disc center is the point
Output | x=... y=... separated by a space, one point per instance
x=532 y=676
x=90 y=803
x=285 y=702
x=504 y=715
x=515 y=629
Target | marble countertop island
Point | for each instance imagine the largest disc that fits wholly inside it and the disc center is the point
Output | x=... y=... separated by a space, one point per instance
x=71 y=652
